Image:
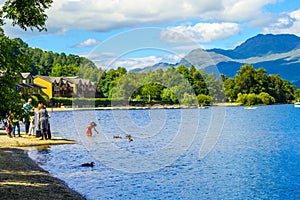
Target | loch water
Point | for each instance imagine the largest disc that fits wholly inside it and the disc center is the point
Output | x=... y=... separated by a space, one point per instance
x=214 y=153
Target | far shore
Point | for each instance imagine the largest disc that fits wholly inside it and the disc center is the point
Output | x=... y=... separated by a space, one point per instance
x=155 y=106
x=21 y=178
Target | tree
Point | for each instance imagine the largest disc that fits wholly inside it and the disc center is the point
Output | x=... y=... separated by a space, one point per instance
x=26 y=13
x=167 y=95
x=13 y=59
x=265 y=98
x=12 y=63
x=189 y=100
x=203 y=99
x=248 y=80
x=152 y=91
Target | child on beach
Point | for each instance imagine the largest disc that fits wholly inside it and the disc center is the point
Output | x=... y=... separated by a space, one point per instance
x=32 y=124
x=90 y=127
x=8 y=127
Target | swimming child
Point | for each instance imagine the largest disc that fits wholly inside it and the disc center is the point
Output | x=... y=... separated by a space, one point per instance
x=90 y=127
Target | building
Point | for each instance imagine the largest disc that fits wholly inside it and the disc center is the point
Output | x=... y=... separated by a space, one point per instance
x=27 y=86
x=66 y=86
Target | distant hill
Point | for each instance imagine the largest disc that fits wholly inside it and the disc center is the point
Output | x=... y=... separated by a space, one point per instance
x=278 y=54
x=161 y=65
x=262 y=45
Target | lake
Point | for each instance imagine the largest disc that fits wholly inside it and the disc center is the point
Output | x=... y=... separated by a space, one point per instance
x=214 y=153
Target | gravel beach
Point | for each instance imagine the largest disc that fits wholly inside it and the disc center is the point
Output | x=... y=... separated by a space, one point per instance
x=22 y=178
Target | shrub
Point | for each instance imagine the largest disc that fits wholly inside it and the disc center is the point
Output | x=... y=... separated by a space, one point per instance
x=203 y=100
x=265 y=98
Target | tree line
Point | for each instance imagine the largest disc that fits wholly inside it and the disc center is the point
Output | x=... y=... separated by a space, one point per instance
x=192 y=86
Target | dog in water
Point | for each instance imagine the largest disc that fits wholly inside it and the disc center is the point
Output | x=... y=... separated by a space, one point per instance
x=129 y=138
x=88 y=164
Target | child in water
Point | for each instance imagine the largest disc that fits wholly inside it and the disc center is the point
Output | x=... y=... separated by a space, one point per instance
x=90 y=127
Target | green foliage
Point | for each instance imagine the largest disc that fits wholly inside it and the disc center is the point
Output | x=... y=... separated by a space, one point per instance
x=189 y=100
x=252 y=99
x=272 y=88
x=266 y=99
x=109 y=80
x=203 y=100
x=48 y=63
x=26 y=13
x=167 y=95
x=151 y=91
x=13 y=53
x=12 y=62
x=297 y=94
x=242 y=98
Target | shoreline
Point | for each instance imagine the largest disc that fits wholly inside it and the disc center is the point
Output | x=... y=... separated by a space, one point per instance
x=157 y=106
x=22 y=178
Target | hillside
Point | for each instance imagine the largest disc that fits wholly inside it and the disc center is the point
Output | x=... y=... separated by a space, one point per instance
x=262 y=45
x=278 y=54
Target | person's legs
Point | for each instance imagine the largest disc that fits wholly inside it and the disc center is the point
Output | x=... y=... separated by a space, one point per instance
x=45 y=131
x=27 y=124
x=18 y=126
x=13 y=130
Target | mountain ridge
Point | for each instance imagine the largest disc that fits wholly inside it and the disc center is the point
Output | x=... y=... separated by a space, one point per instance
x=261 y=45
x=278 y=54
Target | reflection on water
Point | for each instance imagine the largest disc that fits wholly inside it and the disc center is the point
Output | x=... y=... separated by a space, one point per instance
x=255 y=157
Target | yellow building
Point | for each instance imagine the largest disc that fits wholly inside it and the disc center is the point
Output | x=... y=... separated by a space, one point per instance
x=66 y=86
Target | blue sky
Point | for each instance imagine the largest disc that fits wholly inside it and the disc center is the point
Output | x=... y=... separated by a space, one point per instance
x=137 y=33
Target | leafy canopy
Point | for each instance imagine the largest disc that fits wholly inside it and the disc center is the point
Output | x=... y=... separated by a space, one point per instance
x=13 y=60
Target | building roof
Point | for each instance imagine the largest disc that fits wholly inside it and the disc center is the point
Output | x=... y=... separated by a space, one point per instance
x=26 y=75
x=50 y=79
x=29 y=85
x=75 y=80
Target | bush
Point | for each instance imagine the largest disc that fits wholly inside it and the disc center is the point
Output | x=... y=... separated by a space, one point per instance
x=252 y=99
x=242 y=98
x=203 y=100
x=265 y=98
x=189 y=100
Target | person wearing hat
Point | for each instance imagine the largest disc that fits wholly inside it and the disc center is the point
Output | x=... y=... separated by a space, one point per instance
x=90 y=127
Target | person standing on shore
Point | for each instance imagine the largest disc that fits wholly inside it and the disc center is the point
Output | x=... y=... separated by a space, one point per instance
x=32 y=123
x=43 y=121
x=15 y=124
x=28 y=109
x=8 y=126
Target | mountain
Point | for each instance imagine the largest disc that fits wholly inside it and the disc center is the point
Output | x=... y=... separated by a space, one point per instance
x=161 y=65
x=262 y=45
x=278 y=54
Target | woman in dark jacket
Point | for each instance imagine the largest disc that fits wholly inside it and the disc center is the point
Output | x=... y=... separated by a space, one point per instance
x=43 y=120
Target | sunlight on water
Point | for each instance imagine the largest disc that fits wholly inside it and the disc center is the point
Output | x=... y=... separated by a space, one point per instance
x=256 y=156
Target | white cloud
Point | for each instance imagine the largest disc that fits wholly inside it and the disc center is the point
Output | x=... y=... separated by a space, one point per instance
x=105 y=15
x=285 y=23
x=201 y=32
x=87 y=43
x=128 y=63
x=107 y=61
x=240 y=10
